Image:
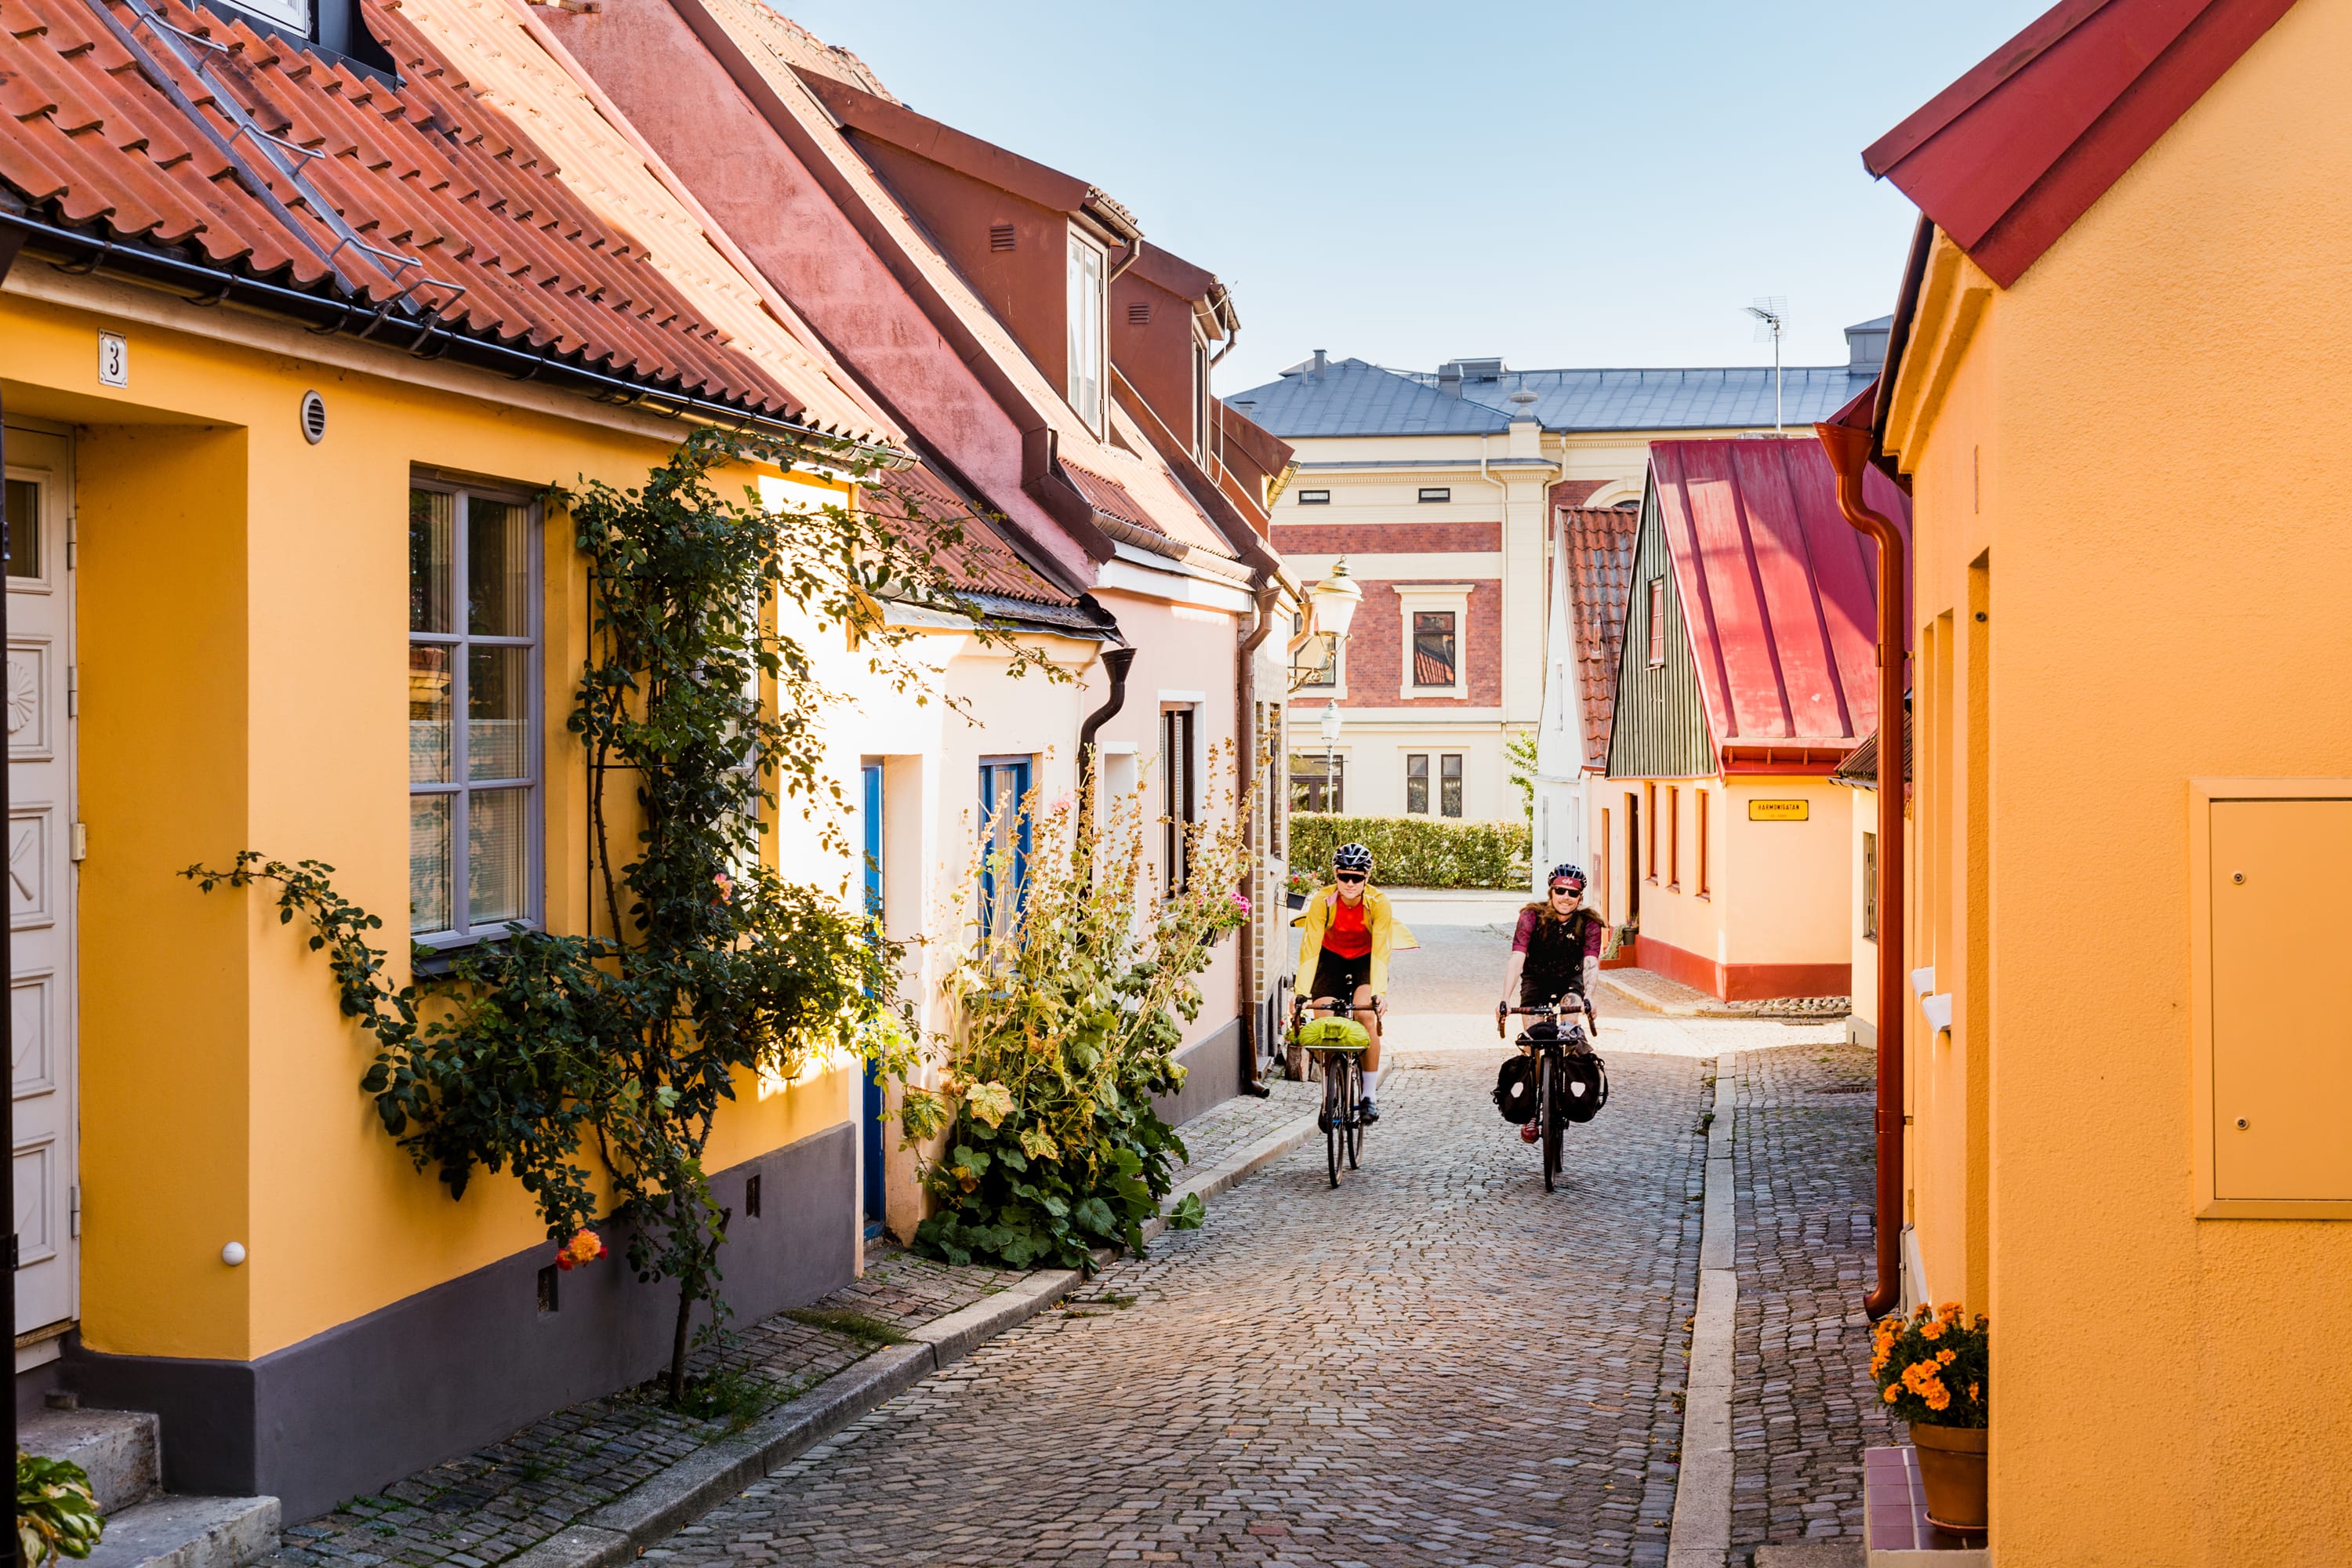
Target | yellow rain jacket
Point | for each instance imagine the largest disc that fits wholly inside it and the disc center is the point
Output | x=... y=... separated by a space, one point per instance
x=1389 y=935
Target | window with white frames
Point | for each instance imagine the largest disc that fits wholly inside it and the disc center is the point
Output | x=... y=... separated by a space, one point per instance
x=1204 y=406
x=1087 y=269
x=473 y=713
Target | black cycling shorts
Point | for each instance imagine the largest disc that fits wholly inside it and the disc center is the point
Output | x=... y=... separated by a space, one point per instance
x=1338 y=976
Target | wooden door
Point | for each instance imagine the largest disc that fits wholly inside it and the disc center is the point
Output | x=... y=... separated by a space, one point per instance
x=42 y=851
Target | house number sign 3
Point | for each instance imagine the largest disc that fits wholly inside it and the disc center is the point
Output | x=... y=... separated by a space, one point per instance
x=113 y=360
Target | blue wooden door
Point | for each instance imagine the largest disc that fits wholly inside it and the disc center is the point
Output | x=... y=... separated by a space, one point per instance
x=1003 y=781
x=873 y=1119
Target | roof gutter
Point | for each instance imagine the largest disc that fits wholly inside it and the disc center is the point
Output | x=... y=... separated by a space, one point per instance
x=1849 y=452
x=1898 y=339
x=353 y=321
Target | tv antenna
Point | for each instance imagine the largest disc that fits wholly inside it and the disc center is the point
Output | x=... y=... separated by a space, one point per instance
x=1771 y=314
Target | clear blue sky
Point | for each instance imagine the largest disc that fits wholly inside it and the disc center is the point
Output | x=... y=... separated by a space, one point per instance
x=1578 y=182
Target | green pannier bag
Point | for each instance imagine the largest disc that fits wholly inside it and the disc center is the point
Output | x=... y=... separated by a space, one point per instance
x=1334 y=1035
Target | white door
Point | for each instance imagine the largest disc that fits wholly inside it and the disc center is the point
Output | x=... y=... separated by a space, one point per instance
x=41 y=882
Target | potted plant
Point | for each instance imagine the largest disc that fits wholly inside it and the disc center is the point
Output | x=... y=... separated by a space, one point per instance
x=1932 y=1370
x=1297 y=888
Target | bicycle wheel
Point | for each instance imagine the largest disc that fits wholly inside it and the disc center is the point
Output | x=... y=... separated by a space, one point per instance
x=1553 y=1128
x=1355 y=1113
x=1335 y=1120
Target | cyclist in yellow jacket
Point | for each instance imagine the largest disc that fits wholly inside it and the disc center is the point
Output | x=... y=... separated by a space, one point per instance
x=1347 y=934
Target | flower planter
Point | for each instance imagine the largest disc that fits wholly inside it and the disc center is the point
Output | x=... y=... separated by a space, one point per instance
x=1952 y=1469
x=1296 y=901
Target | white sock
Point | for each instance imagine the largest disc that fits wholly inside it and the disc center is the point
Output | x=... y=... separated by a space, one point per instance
x=1371 y=1082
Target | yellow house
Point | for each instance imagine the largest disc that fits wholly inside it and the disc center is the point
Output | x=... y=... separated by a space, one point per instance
x=2127 y=1052
x=257 y=438
x=1743 y=680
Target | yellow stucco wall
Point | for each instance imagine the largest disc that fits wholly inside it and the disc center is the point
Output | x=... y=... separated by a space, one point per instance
x=243 y=632
x=2133 y=464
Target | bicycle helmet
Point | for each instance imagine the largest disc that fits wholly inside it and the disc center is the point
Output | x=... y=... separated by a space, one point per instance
x=1352 y=858
x=1566 y=872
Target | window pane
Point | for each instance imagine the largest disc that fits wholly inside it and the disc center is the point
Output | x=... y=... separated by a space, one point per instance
x=1314 y=789
x=497 y=856
x=428 y=863
x=1085 y=311
x=498 y=713
x=431 y=545
x=1433 y=648
x=23 y=529
x=497 y=569
x=1416 y=783
x=1449 y=785
x=428 y=714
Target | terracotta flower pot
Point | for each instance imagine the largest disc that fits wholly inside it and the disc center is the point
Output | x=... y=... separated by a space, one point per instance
x=1952 y=1468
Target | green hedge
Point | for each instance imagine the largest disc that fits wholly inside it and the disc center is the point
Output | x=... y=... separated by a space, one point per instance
x=1416 y=851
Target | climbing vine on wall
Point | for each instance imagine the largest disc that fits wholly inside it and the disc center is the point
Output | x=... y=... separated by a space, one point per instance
x=594 y=1063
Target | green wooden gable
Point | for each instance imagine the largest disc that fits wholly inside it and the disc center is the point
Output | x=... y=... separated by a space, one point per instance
x=1660 y=730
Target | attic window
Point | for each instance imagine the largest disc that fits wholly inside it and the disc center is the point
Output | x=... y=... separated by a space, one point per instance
x=1657 y=622
x=1138 y=313
x=1314 y=497
x=1436 y=494
x=1000 y=236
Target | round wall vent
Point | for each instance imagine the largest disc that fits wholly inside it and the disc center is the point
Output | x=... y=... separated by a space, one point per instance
x=314 y=418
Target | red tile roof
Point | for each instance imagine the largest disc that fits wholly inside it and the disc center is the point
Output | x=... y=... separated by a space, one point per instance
x=925 y=501
x=1597 y=548
x=1778 y=592
x=2006 y=159
x=1171 y=528
x=487 y=192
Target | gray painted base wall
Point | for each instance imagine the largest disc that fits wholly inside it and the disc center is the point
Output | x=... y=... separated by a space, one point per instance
x=467 y=1363
x=1858 y=1033
x=1213 y=1075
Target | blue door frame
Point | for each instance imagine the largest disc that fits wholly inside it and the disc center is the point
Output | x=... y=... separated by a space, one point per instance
x=1003 y=787
x=872 y=1137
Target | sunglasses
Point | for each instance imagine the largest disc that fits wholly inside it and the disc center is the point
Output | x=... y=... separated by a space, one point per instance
x=1559 y=888
x=1351 y=876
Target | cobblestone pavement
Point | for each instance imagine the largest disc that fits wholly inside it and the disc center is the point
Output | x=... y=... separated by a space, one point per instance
x=1436 y=1364
x=1803 y=1407
x=491 y=1503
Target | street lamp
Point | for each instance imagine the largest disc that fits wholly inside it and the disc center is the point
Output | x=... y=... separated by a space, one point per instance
x=1332 y=604
x=1329 y=728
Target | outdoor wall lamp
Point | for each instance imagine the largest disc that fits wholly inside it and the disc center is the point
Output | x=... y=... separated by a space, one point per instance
x=1332 y=604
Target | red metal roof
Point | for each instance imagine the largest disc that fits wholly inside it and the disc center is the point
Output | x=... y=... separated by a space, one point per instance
x=1597 y=547
x=459 y=176
x=2006 y=159
x=1778 y=592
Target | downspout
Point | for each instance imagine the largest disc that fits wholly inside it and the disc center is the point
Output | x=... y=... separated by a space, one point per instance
x=10 y=243
x=1849 y=453
x=1245 y=729
x=1115 y=662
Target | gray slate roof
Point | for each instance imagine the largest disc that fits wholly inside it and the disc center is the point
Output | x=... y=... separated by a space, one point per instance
x=1351 y=397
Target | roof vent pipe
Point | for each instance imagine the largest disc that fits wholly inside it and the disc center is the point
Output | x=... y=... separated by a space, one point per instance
x=1321 y=360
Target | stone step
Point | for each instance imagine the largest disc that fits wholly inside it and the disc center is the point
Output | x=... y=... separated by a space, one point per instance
x=189 y=1533
x=118 y=1450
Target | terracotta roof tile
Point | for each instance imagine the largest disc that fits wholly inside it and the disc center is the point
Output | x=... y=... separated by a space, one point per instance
x=927 y=503
x=1599 y=543
x=460 y=174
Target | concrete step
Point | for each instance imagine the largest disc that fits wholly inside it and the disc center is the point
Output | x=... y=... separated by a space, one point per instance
x=189 y=1533
x=118 y=1450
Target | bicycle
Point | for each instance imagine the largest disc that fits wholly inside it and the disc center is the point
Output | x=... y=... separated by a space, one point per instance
x=1340 y=1042
x=1551 y=1051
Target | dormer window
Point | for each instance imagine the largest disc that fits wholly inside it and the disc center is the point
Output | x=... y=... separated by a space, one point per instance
x=1087 y=307
x=1204 y=406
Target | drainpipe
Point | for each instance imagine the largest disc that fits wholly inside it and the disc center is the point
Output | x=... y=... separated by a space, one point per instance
x=10 y=243
x=1849 y=452
x=1245 y=729
x=1114 y=661
x=1134 y=252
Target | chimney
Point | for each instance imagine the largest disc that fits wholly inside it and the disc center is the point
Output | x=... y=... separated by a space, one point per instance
x=1321 y=360
x=1866 y=346
x=1449 y=378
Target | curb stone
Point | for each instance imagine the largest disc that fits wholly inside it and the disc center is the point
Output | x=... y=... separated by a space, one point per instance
x=657 y=1507
x=1701 y=1532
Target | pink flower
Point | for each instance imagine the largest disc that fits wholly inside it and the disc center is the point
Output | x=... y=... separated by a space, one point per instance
x=1241 y=903
x=726 y=886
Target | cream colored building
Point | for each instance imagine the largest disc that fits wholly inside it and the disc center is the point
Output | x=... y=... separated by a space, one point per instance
x=1440 y=490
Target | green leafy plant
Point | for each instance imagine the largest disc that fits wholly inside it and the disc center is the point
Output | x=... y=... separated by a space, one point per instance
x=1935 y=1366
x=57 y=1514
x=1417 y=851
x=1069 y=1007
x=1519 y=752
x=860 y=1326
x=596 y=1062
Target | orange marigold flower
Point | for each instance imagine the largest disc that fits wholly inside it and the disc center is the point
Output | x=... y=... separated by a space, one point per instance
x=1950 y=1312
x=1975 y=1391
x=1931 y=1330
x=1891 y=1392
x=1944 y=1358
x=1937 y=1398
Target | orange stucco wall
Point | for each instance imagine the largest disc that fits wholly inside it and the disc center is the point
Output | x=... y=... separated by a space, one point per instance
x=2166 y=1390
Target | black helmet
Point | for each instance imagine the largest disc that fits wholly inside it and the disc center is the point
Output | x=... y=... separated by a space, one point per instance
x=1566 y=872
x=1352 y=858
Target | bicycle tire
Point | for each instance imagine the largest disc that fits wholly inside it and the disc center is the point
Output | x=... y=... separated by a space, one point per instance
x=1355 y=1113
x=1335 y=1122
x=1547 y=1082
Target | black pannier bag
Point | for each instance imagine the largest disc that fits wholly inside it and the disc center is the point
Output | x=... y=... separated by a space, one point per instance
x=1582 y=1085
x=1515 y=1089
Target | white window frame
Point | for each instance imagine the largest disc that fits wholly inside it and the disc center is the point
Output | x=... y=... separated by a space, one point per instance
x=462 y=933
x=1426 y=597
x=1322 y=498
x=1089 y=266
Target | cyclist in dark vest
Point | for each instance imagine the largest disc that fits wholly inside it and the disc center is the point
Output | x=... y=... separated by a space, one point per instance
x=1555 y=952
